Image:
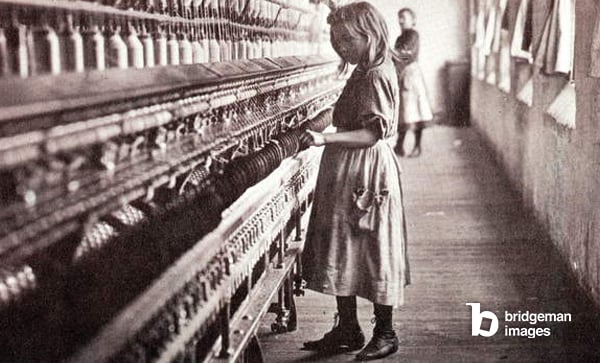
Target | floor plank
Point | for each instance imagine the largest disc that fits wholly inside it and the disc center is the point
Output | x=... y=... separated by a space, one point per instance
x=470 y=241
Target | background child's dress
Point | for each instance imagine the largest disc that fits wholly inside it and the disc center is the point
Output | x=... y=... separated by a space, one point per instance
x=415 y=109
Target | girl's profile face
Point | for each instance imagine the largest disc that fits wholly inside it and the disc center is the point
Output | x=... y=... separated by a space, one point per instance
x=351 y=49
x=406 y=20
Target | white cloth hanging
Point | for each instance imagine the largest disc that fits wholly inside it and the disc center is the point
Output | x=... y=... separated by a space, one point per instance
x=564 y=107
x=504 y=74
x=519 y=34
x=566 y=37
x=497 y=42
x=545 y=55
x=490 y=77
x=504 y=82
x=556 y=49
x=494 y=74
x=490 y=64
x=490 y=28
x=479 y=43
x=472 y=18
x=480 y=28
x=595 y=63
x=474 y=61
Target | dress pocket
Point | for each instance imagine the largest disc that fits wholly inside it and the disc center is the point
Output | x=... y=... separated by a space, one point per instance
x=368 y=205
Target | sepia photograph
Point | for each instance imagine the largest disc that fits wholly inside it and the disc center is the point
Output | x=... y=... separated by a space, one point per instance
x=286 y=181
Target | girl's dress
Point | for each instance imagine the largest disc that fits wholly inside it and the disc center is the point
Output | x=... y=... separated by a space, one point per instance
x=356 y=239
x=415 y=109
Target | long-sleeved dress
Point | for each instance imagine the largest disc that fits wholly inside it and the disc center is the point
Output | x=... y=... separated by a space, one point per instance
x=356 y=238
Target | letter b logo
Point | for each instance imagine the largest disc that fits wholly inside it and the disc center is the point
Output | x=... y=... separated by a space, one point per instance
x=477 y=317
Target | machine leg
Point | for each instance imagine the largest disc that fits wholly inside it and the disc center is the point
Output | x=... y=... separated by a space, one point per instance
x=281 y=321
x=253 y=352
x=281 y=250
x=298 y=284
x=285 y=308
x=291 y=304
x=298 y=227
x=224 y=325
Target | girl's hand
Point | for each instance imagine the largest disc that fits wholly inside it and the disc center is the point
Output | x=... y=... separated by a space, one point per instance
x=312 y=138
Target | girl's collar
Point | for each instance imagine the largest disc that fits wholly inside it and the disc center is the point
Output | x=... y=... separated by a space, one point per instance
x=364 y=67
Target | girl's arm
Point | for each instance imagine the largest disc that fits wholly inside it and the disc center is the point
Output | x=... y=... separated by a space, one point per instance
x=356 y=138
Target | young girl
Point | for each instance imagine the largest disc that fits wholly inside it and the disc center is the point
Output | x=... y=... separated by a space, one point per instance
x=356 y=241
x=415 y=110
x=407 y=19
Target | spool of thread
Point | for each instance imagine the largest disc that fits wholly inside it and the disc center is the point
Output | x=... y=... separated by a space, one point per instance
x=135 y=49
x=117 y=50
x=206 y=46
x=185 y=50
x=94 y=49
x=234 y=49
x=259 y=47
x=161 y=49
x=148 y=45
x=197 y=51
x=173 y=50
x=225 y=51
x=251 y=51
x=242 y=49
x=214 y=50
x=266 y=47
x=46 y=50
x=72 y=47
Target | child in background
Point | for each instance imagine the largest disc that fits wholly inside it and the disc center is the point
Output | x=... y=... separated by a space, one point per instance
x=407 y=19
x=415 y=110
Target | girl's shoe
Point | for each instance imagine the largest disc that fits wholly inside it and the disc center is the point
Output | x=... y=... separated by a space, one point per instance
x=415 y=152
x=379 y=347
x=339 y=339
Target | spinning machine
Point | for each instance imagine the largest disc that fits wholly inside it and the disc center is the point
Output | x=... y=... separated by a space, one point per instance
x=153 y=185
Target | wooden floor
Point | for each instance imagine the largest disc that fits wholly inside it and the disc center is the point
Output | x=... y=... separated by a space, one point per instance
x=469 y=241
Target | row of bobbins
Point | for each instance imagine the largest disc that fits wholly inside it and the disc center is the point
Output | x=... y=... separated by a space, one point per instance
x=36 y=41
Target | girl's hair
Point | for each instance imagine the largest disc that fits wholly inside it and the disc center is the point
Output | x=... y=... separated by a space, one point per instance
x=407 y=44
x=408 y=10
x=362 y=19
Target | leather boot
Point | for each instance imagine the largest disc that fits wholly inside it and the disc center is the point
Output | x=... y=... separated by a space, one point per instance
x=379 y=347
x=416 y=152
x=339 y=339
x=384 y=341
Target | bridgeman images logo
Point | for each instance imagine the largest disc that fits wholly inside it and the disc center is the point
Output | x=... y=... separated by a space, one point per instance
x=487 y=324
